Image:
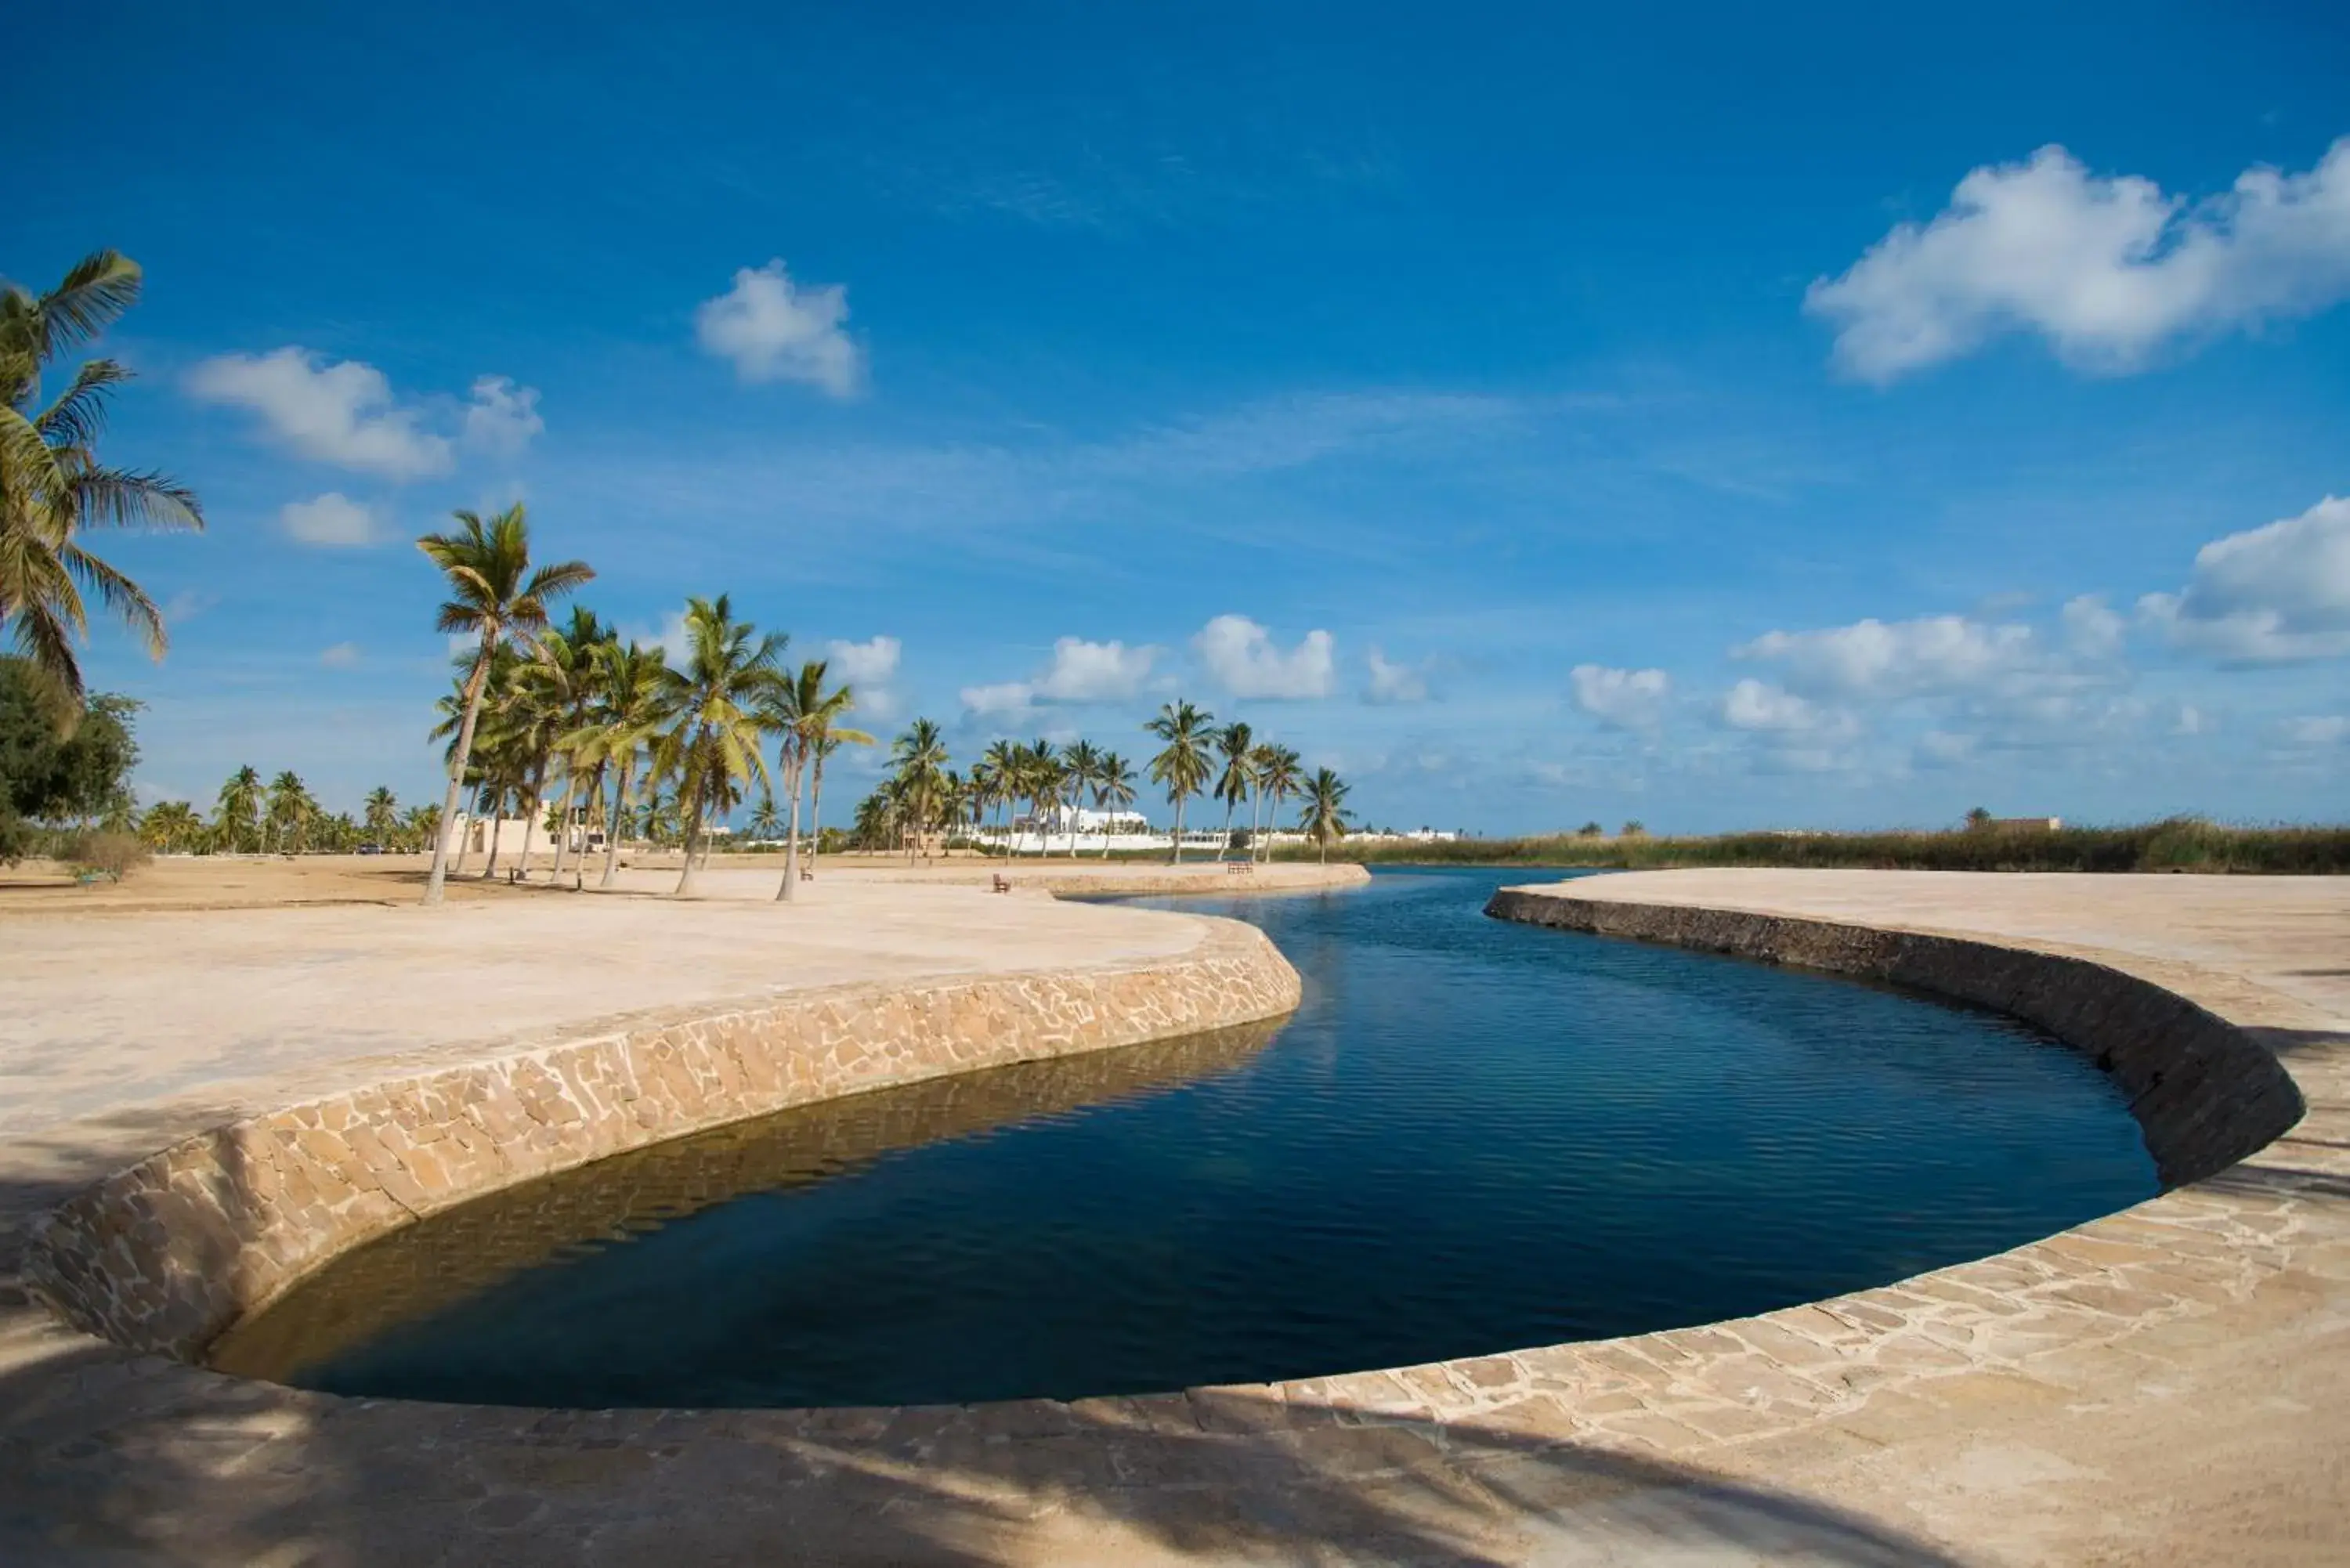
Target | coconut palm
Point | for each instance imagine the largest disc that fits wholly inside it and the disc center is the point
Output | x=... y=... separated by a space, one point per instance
x=1001 y=764
x=765 y=821
x=1182 y=766
x=493 y=594
x=564 y=671
x=381 y=814
x=418 y=827
x=1081 y=763
x=53 y=487
x=828 y=740
x=721 y=705
x=919 y=759
x=170 y=827
x=1279 y=774
x=1325 y=816
x=1040 y=781
x=289 y=813
x=626 y=717
x=1113 y=790
x=238 y=810
x=1232 y=786
x=808 y=716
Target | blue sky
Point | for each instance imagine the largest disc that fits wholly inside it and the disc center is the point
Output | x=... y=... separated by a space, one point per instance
x=1537 y=414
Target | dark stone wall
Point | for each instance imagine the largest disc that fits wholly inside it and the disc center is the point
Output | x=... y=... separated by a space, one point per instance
x=2206 y=1092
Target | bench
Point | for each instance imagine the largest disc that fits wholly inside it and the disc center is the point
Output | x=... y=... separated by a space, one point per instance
x=1003 y=884
x=1240 y=867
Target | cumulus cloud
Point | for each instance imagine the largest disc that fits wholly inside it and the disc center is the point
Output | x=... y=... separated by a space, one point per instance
x=2104 y=268
x=1624 y=698
x=333 y=521
x=2272 y=595
x=1086 y=671
x=867 y=668
x=503 y=418
x=1242 y=657
x=342 y=656
x=1886 y=660
x=775 y=330
x=2318 y=729
x=1393 y=682
x=1759 y=705
x=1006 y=698
x=669 y=636
x=2092 y=628
x=341 y=413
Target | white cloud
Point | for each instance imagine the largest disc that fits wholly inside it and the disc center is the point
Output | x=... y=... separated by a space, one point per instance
x=775 y=330
x=1086 y=671
x=2191 y=721
x=2320 y=730
x=2106 y=269
x=1875 y=658
x=670 y=637
x=342 y=656
x=503 y=417
x=1942 y=749
x=2094 y=629
x=867 y=667
x=1394 y=682
x=1006 y=698
x=1758 y=705
x=340 y=413
x=333 y=521
x=1243 y=658
x=2271 y=595
x=1626 y=698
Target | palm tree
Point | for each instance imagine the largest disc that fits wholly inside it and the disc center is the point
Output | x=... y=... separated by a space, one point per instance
x=238 y=810
x=1279 y=774
x=627 y=715
x=1040 y=781
x=1233 y=784
x=1113 y=790
x=808 y=714
x=53 y=486
x=1182 y=766
x=169 y=825
x=564 y=669
x=918 y=758
x=1002 y=765
x=381 y=814
x=827 y=741
x=1325 y=816
x=290 y=811
x=764 y=822
x=493 y=593
x=720 y=707
x=419 y=827
x=1081 y=763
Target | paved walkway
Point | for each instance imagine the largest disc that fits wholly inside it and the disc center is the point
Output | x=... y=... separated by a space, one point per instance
x=2170 y=1386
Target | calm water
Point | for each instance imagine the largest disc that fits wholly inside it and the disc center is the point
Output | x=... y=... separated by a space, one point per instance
x=1473 y=1136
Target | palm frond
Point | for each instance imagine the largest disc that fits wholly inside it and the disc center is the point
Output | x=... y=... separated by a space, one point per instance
x=78 y=416
x=115 y=498
x=91 y=297
x=121 y=594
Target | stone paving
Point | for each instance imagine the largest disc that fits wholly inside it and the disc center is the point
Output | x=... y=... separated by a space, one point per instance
x=2168 y=1385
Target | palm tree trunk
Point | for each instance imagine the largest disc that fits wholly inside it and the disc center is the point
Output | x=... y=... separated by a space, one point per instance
x=790 y=889
x=1256 y=833
x=438 y=875
x=612 y=829
x=692 y=836
x=497 y=830
x=1178 y=831
x=1223 y=848
x=562 y=832
x=816 y=814
x=530 y=812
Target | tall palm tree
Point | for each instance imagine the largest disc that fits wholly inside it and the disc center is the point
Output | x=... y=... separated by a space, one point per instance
x=1279 y=774
x=381 y=814
x=493 y=594
x=828 y=738
x=564 y=663
x=238 y=810
x=626 y=718
x=1233 y=783
x=765 y=822
x=418 y=827
x=169 y=825
x=1182 y=766
x=290 y=811
x=1113 y=790
x=1325 y=816
x=918 y=758
x=721 y=705
x=1040 y=781
x=53 y=486
x=808 y=716
x=1081 y=763
x=1001 y=762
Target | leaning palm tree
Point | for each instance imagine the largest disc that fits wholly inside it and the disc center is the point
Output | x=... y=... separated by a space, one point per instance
x=808 y=716
x=1232 y=786
x=721 y=704
x=238 y=810
x=53 y=487
x=1280 y=774
x=1325 y=816
x=493 y=594
x=1182 y=766
x=828 y=738
x=1113 y=791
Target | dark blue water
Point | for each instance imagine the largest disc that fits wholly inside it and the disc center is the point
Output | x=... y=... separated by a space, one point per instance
x=1472 y=1137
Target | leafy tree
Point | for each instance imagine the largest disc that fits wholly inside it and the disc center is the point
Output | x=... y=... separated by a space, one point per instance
x=493 y=594
x=53 y=487
x=1081 y=763
x=290 y=813
x=237 y=812
x=1181 y=767
x=919 y=764
x=624 y=721
x=50 y=773
x=1978 y=819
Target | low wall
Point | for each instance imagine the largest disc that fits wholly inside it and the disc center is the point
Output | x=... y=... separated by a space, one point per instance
x=2205 y=1093
x=166 y=1255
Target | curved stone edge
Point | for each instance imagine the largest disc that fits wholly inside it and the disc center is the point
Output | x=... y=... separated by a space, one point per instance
x=163 y=1256
x=2205 y=1093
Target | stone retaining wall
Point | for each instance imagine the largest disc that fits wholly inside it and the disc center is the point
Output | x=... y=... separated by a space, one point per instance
x=2206 y=1093
x=168 y=1254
